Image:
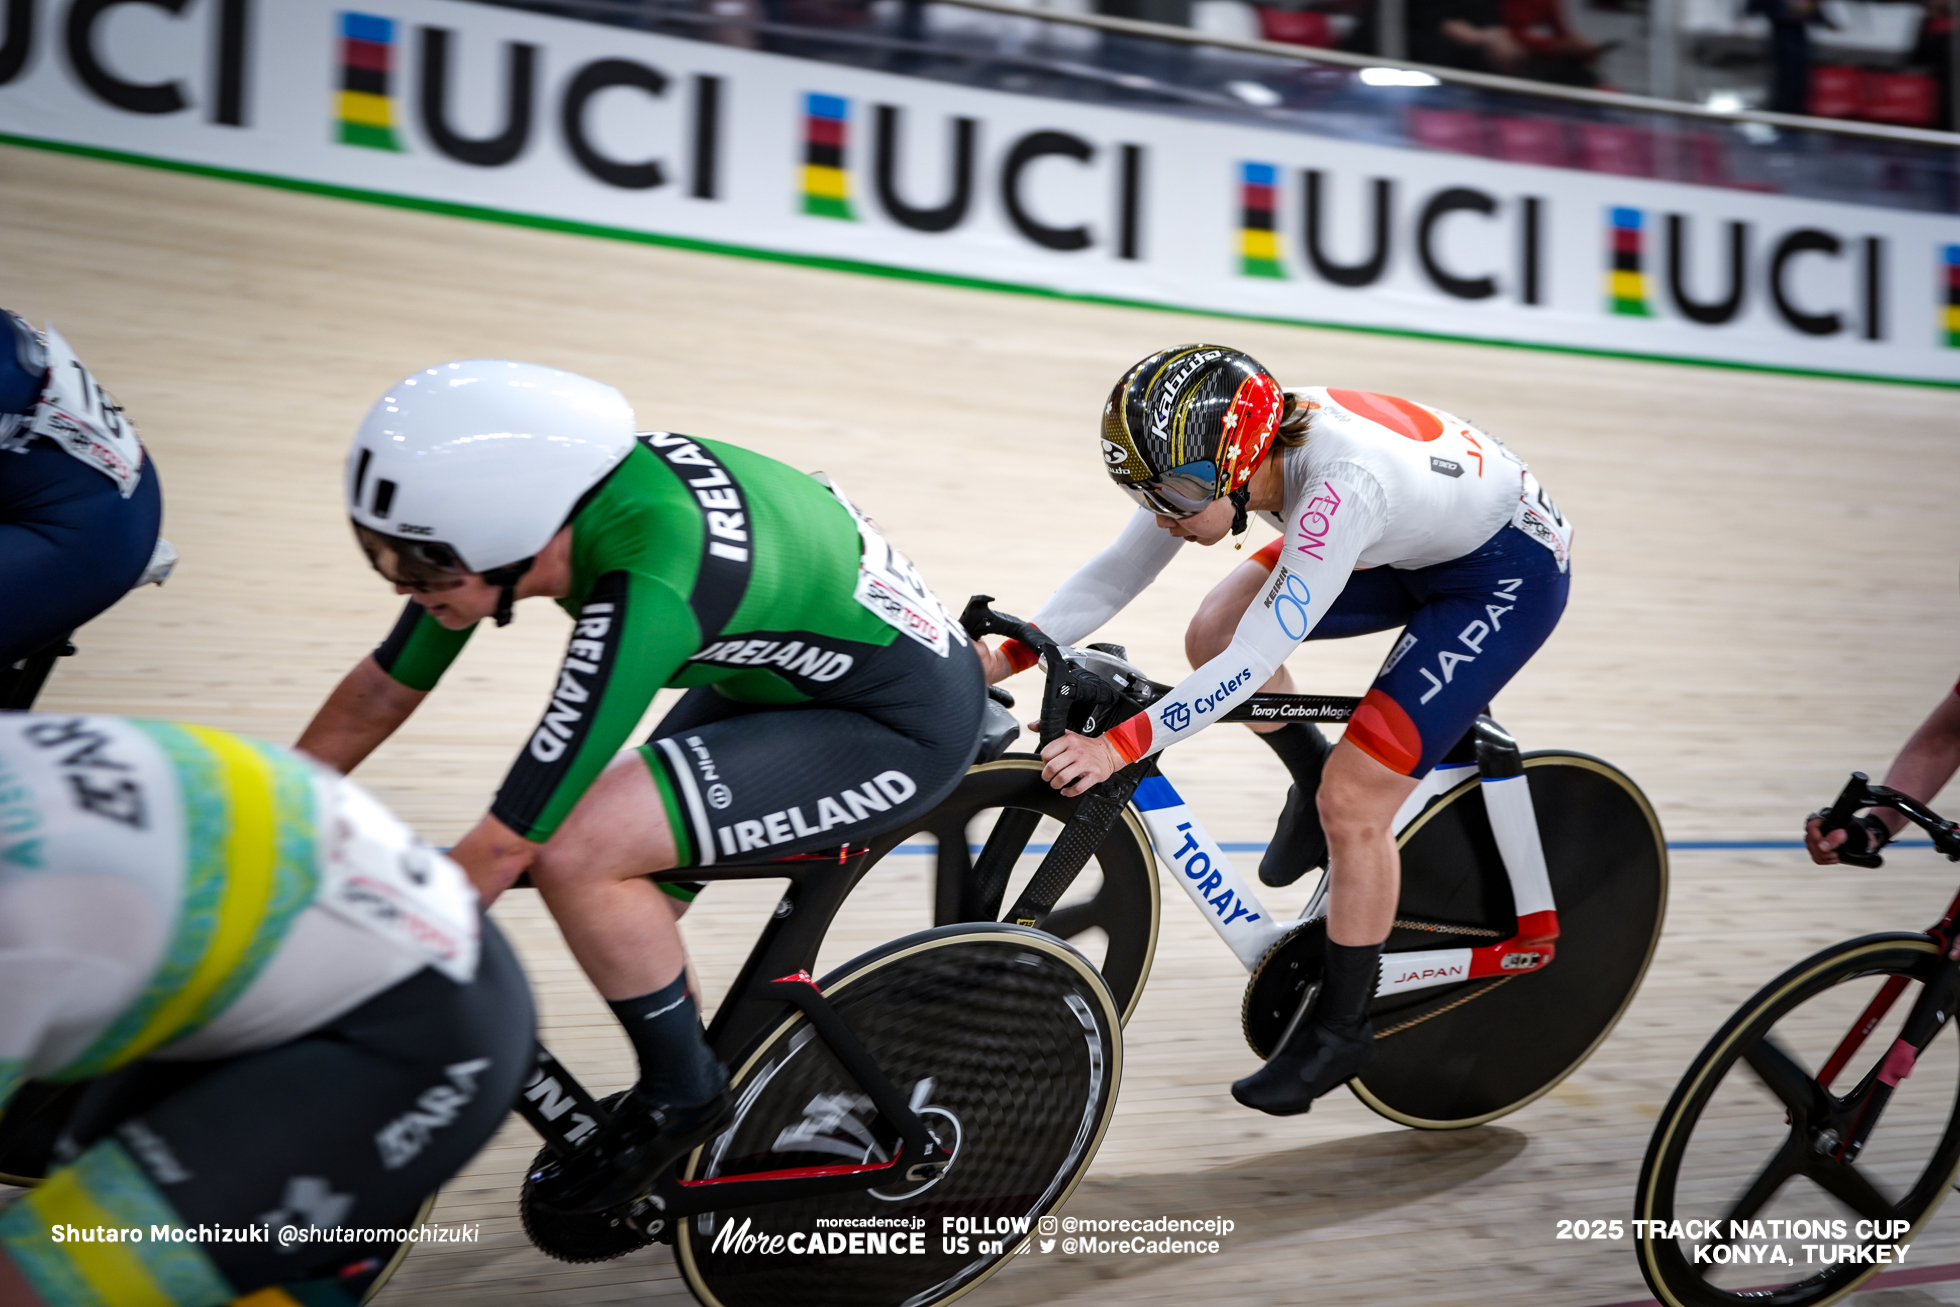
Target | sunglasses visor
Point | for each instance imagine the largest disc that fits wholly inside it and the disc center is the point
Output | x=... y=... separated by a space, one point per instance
x=419 y=565
x=1180 y=492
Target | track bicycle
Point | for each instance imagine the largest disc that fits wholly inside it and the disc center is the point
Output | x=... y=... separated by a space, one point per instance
x=1533 y=891
x=1757 y=1150
x=899 y=1125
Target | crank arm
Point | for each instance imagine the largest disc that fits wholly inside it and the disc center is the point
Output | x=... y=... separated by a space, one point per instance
x=557 y=1106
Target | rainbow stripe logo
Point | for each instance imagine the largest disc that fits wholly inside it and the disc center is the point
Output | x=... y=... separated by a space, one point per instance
x=367 y=113
x=1951 y=310
x=1258 y=208
x=826 y=187
x=1626 y=282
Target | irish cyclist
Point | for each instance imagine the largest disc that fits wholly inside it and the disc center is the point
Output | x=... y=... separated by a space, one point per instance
x=1394 y=514
x=830 y=695
x=292 y=1014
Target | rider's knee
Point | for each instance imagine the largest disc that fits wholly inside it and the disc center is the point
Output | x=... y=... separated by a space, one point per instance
x=1350 y=811
x=1209 y=632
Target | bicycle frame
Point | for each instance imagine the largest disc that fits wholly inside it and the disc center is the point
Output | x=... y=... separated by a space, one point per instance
x=1234 y=911
x=1938 y=997
x=775 y=977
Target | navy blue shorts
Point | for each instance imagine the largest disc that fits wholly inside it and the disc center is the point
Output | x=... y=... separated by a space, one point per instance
x=70 y=545
x=1470 y=624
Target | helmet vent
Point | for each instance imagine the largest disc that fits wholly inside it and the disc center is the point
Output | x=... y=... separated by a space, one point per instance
x=384 y=497
x=360 y=473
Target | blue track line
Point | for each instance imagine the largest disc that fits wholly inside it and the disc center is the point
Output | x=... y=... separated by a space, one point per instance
x=1689 y=846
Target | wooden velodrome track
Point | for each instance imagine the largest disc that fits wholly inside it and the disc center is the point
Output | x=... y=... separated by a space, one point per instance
x=1765 y=598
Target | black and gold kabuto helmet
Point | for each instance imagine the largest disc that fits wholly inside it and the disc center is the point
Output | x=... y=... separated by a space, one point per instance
x=1190 y=425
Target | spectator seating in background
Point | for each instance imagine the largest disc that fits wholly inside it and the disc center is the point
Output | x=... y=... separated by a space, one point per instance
x=1610 y=147
x=1001 y=30
x=1460 y=131
x=1297 y=26
x=1903 y=99
x=1533 y=140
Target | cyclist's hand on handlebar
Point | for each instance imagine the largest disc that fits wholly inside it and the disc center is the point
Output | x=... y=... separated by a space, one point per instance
x=1822 y=847
x=1865 y=836
x=1075 y=763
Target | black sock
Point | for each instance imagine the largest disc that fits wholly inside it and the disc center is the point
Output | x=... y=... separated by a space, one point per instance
x=676 y=1067
x=1303 y=749
x=1349 y=985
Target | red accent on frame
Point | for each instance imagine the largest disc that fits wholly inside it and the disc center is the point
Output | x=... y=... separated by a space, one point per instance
x=1874 y=1013
x=1537 y=933
x=800 y=977
x=790 y=1173
x=1898 y=1063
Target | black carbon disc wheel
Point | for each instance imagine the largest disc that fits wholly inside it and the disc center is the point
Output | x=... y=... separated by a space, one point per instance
x=1007 y=1043
x=1465 y=1054
x=598 y=1237
x=1749 y=1136
x=1110 y=914
x=402 y=1250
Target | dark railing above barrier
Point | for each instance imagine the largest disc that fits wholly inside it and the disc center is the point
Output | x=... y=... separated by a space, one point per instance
x=1095 y=58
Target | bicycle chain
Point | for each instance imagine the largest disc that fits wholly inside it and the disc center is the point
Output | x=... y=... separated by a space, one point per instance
x=1446 y=929
x=1450 y=1006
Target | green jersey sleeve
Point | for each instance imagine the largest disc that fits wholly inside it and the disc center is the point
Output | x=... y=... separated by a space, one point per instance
x=419 y=650
x=631 y=636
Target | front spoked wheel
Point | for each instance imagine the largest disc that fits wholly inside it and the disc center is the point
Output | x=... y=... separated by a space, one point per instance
x=1755 y=1134
x=1004 y=1041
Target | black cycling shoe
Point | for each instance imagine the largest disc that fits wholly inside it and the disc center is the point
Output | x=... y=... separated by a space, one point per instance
x=1289 y=1082
x=1298 y=844
x=637 y=1143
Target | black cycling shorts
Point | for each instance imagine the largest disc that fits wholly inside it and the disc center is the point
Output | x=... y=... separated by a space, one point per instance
x=349 y=1127
x=749 y=782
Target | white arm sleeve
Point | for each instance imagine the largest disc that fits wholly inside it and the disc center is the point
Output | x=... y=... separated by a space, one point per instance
x=1102 y=586
x=1326 y=532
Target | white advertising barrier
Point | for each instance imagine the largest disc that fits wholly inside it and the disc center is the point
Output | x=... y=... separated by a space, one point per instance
x=541 y=119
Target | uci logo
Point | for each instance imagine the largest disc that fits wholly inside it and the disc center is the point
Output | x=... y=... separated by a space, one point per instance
x=1114 y=454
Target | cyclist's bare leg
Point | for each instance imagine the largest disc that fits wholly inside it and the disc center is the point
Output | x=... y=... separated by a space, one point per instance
x=1358 y=801
x=591 y=872
x=1218 y=617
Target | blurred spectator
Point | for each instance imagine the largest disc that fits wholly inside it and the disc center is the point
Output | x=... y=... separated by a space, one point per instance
x=1553 y=51
x=1789 y=50
x=1935 y=53
x=1463 y=34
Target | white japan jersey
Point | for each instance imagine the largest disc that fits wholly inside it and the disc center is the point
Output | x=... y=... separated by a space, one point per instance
x=1379 y=482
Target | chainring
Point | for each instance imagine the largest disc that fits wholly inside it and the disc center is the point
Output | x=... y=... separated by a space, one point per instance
x=1283 y=977
x=592 y=1237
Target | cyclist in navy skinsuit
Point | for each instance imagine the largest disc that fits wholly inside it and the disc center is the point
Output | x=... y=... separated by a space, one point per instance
x=80 y=505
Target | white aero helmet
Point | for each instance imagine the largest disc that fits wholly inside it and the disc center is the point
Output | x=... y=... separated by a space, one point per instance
x=474 y=465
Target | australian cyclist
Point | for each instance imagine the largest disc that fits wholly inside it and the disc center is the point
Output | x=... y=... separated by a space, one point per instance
x=830 y=695
x=1394 y=514
x=292 y=1016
